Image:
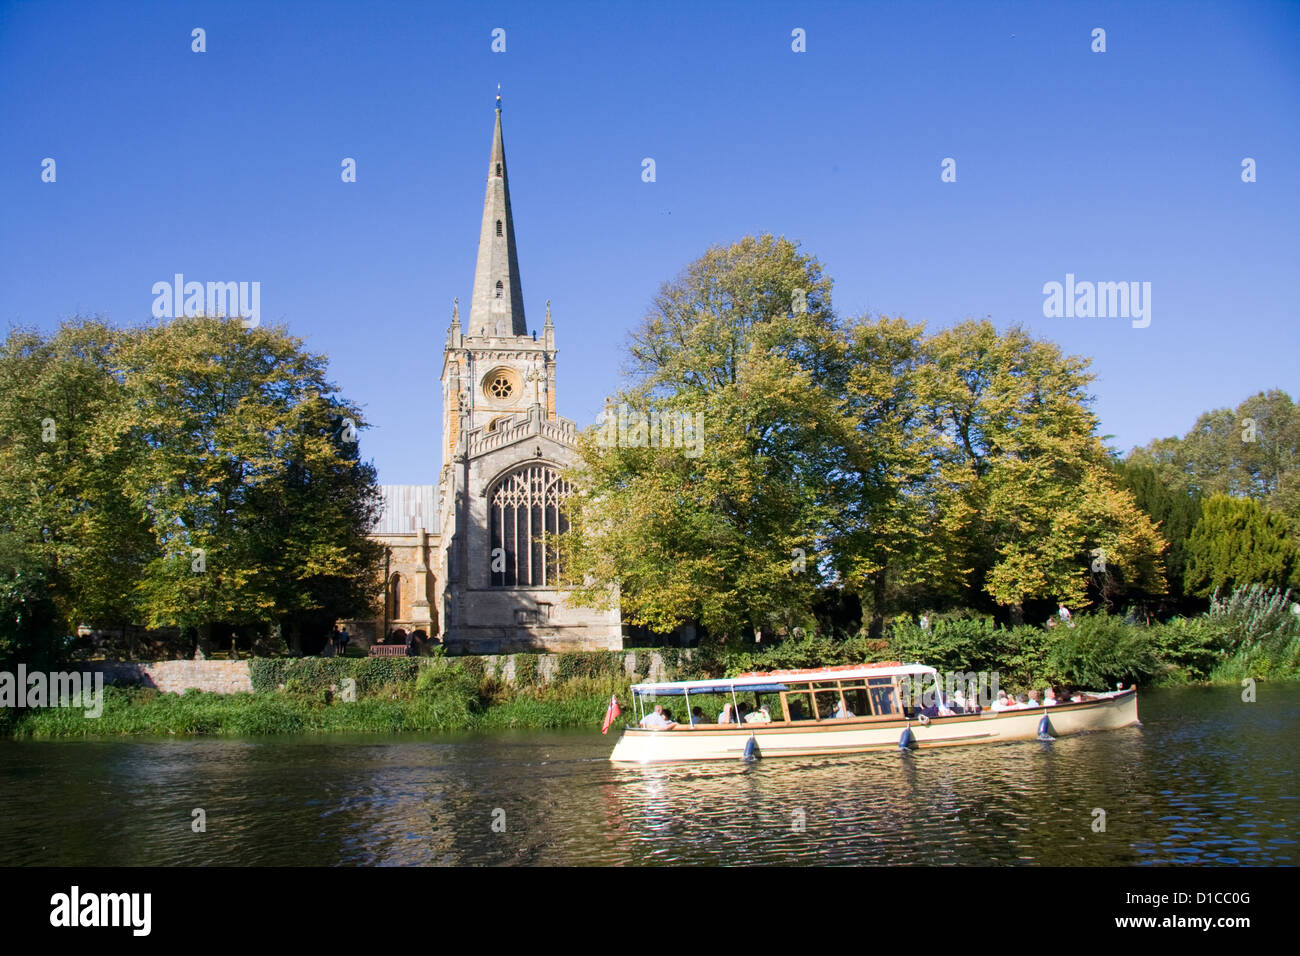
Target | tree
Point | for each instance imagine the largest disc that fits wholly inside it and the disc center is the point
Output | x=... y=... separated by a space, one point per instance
x=1238 y=543
x=31 y=632
x=898 y=513
x=726 y=535
x=256 y=501
x=60 y=490
x=1175 y=512
x=1252 y=451
x=1044 y=506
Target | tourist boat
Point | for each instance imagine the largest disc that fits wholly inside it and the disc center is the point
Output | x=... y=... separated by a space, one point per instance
x=874 y=699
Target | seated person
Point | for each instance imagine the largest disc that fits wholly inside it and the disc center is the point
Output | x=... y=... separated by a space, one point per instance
x=1049 y=697
x=796 y=710
x=725 y=717
x=760 y=716
x=1002 y=703
x=697 y=716
x=1033 y=699
x=841 y=710
x=655 y=720
x=743 y=717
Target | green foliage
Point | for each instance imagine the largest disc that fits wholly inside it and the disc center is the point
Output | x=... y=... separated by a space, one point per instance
x=1260 y=631
x=475 y=667
x=125 y=450
x=1252 y=451
x=1238 y=543
x=30 y=624
x=642 y=660
x=589 y=664
x=1174 y=509
x=914 y=470
x=1100 y=651
x=528 y=671
x=1192 y=647
x=267 y=673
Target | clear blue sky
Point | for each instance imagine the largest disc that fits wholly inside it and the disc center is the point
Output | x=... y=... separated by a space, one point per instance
x=225 y=166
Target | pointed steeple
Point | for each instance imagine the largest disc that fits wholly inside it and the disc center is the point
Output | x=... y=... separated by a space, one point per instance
x=497 y=307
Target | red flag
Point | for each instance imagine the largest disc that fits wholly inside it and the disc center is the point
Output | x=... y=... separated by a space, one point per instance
x=610 y=714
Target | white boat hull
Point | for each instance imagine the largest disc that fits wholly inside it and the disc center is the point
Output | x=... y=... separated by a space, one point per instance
x=857 y=735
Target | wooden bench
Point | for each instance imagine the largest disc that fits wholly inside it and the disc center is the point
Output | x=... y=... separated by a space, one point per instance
x=388 y=650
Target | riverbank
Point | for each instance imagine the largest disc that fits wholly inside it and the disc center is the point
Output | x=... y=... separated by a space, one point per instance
x=440 y=709
x=1257 y=638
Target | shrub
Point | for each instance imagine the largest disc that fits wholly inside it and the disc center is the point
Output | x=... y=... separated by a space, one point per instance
x=1191 y=647
x=1259 y=629
x=266 y=673
x=642 y=663
x=586 y=664
x=528 y=672
x=475 y=667
x=1101 y=650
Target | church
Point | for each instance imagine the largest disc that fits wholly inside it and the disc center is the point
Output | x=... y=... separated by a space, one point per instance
x=470 y=561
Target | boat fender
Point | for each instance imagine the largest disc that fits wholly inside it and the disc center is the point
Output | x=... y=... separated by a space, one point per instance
x=751 y=748
x=1045 y=729
x=906 y=741
x=925 y=720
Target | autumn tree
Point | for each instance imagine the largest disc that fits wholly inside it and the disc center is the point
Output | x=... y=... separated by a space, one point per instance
x=726 y=533
x=1047 y=516
x=256 y=499
x=60 y=483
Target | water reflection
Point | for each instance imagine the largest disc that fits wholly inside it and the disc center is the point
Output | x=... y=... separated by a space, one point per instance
x=1206 y=779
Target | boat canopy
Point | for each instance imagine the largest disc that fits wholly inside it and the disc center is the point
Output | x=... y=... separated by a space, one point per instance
x=779 y=680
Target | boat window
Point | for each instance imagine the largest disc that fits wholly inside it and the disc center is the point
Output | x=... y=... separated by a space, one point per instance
x=883 y=698
x=799 y=705
x=828 y=702
x=855 y=696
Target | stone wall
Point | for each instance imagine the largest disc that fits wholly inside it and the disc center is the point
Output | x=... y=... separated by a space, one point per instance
x=220 y=677
x=232 y=677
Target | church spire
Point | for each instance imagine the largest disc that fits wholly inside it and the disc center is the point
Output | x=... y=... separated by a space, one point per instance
x=497 y=307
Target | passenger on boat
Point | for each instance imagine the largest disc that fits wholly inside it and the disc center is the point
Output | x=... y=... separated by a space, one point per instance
x=655 y=720
x=1021 y=702
x=1049 y=698
x=725 y=716
x=697 y=716
x=1033 y=699
x=743 y=714
x=760 y=716
x=1002 y=703
x=841 y=711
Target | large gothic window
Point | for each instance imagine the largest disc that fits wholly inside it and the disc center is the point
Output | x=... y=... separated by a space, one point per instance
x=526 y=512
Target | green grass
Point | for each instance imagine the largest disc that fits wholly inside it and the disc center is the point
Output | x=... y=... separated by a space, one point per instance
x=430 y=705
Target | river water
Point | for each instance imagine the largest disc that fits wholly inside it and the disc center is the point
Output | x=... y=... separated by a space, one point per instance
x=1206 y=779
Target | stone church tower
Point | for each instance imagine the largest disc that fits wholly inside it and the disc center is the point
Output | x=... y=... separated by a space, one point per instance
x=500 y=495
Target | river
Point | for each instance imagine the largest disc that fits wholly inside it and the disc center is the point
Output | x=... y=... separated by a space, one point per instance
x=1206 y=779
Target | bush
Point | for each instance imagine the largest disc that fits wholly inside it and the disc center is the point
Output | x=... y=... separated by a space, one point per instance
x=1191 y=647
x=528 y=672
x=267 y=673
x=1259 y=631
x=588 y=664
x=448 y=694
x=1101 y=650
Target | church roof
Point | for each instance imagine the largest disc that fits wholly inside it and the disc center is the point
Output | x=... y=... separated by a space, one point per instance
x=407 y=508
x=498 y=304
